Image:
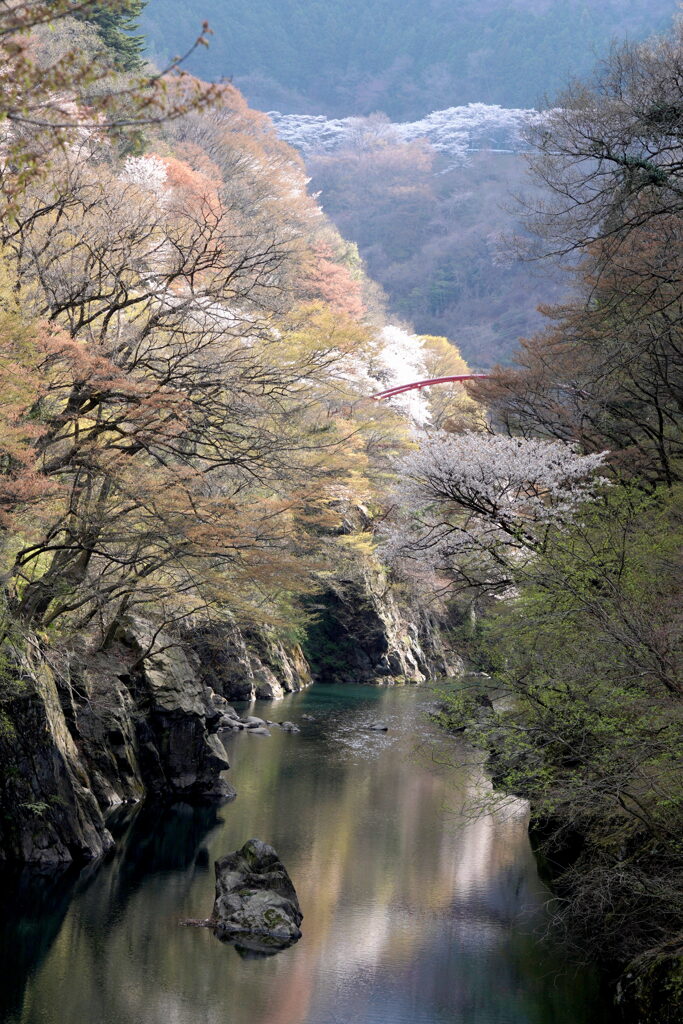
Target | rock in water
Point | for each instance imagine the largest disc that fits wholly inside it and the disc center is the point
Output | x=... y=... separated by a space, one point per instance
x=256 y=903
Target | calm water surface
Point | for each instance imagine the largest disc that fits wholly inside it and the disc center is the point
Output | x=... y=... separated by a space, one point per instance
x=414 y=911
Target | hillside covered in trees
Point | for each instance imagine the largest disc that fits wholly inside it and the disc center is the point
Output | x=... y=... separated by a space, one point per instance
x=188 y=445
x=438 y=234
x=355 y=57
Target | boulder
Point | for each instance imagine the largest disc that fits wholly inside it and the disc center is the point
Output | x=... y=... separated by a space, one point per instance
x=256 y=903
x=289 y=727
x=228 y=722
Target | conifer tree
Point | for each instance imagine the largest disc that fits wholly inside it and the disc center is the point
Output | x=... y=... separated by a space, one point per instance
x=117 y=22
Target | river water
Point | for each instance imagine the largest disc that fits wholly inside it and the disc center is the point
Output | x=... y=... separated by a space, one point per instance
x=415 y=910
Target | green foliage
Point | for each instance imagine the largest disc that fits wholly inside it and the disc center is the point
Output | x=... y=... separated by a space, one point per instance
x=117 y=23
x=7 y=729
x=37 y=808
x=587 y=663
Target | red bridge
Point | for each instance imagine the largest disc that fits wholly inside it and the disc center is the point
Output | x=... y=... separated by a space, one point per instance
x=417 y=385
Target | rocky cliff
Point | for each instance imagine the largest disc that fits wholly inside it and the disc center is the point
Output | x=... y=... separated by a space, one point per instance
x=248 y=665
x=83 y=733
x=363 y=632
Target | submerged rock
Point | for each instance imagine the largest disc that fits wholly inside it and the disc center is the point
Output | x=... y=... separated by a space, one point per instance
x=256 y=903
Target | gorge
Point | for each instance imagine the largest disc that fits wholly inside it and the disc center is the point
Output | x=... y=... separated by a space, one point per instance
x=428 y=648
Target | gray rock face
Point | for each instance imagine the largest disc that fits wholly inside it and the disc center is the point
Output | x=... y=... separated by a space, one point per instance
x=48 y=811
x=366 y=634
x=256 y=903
x=93 y=731
x=249 y=666
x=177 y=755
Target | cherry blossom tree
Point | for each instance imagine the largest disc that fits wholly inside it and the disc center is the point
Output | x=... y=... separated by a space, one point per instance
x=479 y=506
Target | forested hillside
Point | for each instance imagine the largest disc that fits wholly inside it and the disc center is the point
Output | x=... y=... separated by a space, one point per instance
x=187 y=445
x=405 y=58
x=437 y=234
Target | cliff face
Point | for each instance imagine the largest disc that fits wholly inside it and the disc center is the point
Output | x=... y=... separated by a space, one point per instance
x=83 y=735
x=365 y=634
x=359 y=633
x=256 y=665
x=48 y=810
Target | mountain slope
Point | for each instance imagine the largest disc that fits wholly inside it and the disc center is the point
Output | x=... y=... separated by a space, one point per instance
x=405 y=57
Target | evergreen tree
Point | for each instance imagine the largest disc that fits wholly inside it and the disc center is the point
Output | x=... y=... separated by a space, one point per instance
x=117 y=21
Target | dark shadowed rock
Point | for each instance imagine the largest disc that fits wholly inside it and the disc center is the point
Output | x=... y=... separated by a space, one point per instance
x=93 y=729
x=364 y=633
x=256 y=903
x=243 y=665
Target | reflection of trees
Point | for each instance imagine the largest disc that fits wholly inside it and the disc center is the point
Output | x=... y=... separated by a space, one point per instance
x=403 y=901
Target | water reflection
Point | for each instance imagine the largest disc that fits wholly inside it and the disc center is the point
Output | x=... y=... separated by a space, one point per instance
x=34 y=905
x=412 y=912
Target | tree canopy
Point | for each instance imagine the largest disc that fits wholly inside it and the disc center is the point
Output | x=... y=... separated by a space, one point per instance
x=118 y=24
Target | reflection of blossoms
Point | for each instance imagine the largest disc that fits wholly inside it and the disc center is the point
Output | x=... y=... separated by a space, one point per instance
x=486 y=497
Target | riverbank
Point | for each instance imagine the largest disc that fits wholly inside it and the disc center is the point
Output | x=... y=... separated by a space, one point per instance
x=576 y=856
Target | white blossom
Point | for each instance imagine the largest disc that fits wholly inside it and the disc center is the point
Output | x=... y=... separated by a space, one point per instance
x=455 y=131
x=401 y=360
x=487 y=497
x=148 y=172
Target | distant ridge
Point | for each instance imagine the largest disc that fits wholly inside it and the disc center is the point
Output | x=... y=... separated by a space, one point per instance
x=455 y=131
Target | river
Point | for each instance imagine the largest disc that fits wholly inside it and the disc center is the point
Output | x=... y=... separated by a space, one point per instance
x=416 y=910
